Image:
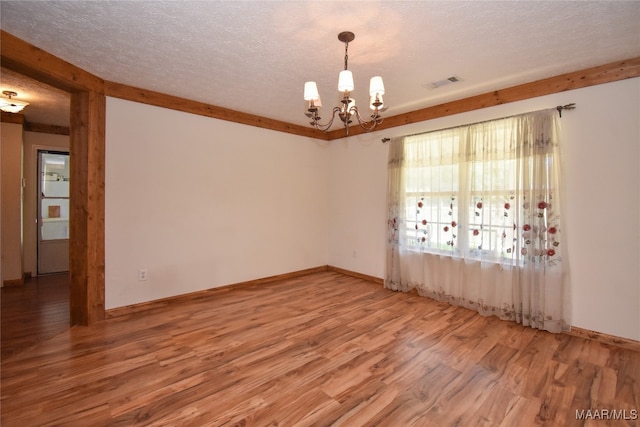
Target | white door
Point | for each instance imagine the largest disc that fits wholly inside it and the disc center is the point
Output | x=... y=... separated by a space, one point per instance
x=53 y=212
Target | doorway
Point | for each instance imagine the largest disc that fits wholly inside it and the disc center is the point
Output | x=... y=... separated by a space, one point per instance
x=53 y=211
x=87 y=149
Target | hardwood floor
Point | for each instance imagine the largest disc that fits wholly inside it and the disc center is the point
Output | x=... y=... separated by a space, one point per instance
x=34 y=312
x=324 y=349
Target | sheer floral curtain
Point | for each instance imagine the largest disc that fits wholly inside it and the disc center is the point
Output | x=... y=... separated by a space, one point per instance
x=474 y=219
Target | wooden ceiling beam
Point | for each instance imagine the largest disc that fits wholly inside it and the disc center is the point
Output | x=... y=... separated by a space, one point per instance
x=607 y=73
x=15 y=118
x=158 y=99
x=24 y=58
x=45 y=128
x=31 y=61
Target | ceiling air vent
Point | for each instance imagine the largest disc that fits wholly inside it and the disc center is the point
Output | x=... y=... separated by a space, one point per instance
x=444 y=82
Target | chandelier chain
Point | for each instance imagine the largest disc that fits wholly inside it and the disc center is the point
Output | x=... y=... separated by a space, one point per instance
x=346 y=55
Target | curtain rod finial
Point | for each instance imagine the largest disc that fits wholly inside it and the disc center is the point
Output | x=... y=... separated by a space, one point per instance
x=571 y=106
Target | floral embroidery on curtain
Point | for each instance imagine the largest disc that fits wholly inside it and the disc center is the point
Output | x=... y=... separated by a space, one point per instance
x=474 y=219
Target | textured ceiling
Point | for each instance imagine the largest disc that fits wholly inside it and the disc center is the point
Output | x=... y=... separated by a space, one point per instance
x=254 y=56
x=48 y=105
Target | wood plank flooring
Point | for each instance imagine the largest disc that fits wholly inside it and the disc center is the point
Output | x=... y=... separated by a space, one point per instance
x=324 y=349
x=34 y=312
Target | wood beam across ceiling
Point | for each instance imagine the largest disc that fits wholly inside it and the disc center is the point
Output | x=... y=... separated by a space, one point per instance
x=33 y=62
x=15 y=118
x=31 y=56
x=158 y=99
x=607 y=73
x=45 y=128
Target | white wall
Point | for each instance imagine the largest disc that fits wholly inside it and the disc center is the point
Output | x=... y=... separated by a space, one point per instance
x=601 y=141
x=358 y=190
x=203 y=203
x=10 y=202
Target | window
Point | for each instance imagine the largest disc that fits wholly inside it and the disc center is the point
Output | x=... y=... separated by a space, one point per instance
x=474 y=219
x=472 y=192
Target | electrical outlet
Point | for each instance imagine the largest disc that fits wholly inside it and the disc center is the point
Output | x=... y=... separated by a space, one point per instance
x=143 y=274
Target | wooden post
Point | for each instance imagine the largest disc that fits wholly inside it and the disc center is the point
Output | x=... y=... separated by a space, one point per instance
x=87 y=149
x=86 y=244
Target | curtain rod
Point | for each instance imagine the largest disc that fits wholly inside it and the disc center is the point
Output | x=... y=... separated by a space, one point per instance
x=560 y=108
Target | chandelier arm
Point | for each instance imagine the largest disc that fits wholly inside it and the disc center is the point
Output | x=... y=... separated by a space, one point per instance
x=367 y=125
x=324 y=127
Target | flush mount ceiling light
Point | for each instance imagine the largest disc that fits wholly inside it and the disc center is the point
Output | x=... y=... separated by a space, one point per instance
x=348 y=108
x=9 y=105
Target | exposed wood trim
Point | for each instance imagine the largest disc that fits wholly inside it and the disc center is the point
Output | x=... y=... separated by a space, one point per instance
x=17 y=119
x=284 y=276
x=24 y=58
x=13 y=283
x=86 y=234
x=44 y=128
x=87 y=160
x=135 y=308
x=625 y=343
x=376 y=280
x=607 y=73
x=88 y=281
x=19 y=55
x=157 y=99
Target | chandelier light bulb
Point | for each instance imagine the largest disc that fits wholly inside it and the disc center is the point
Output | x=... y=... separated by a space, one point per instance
x=311 y=91
x=345 y=81
x=376 y=86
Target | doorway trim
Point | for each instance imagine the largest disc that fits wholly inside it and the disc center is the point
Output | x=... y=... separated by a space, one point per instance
x=87 y=151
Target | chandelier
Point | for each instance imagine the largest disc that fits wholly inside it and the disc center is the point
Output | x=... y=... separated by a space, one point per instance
x=348 y=109
x=10 y=105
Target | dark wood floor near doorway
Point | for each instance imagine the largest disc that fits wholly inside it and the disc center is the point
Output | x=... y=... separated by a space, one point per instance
x=33 y=313
x=324 y=349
